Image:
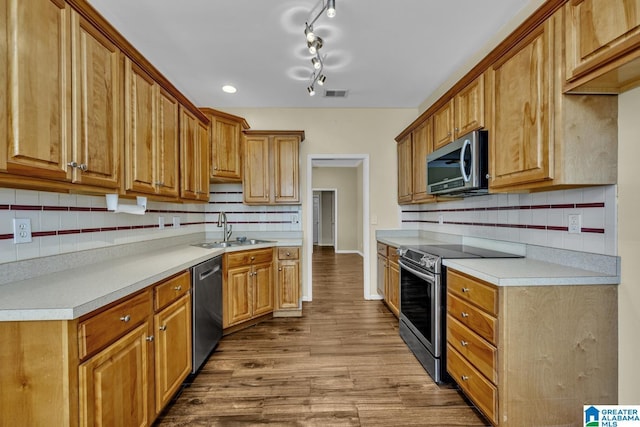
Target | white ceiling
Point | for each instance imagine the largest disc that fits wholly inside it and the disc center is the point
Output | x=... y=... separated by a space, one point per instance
x=386 y=53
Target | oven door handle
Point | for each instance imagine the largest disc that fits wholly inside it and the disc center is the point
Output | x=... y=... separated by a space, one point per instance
x=424 y=276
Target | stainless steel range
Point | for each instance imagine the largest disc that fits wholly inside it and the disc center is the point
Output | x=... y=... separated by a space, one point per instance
x=423 y=300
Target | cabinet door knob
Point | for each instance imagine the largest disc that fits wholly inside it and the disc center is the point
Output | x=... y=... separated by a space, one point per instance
x=163 y=328
x=288 y=254
x=464 y=314
x=83 y=167
x=488 y=176
x=252 y=258
x=126 y=318
x=464 y=343
x=279 y=268
x=465 y=290
x=150 y=338
x=178 y=288
x=464 y=377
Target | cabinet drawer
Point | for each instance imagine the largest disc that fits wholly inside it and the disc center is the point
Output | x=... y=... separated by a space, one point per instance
x=477 y=351
x=392 y=254
x=101 y=329
x=467 y=289
x=473 y=383
x=477 y=320
x=244 y=258
x=382 y=249
x=288 y=253
x=172 y=289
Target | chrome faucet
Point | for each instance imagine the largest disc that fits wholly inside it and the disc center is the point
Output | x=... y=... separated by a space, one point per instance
x=222 y=222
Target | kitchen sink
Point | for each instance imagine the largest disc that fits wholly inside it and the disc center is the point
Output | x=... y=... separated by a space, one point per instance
x=230 y=243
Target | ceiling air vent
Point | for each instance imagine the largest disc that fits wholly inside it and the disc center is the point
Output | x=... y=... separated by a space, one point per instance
x=336 y=93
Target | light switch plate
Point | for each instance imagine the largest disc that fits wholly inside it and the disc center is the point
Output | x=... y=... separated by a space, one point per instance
x=575 y=223
x=21 y=230
x=176 y=222
x=161 y=222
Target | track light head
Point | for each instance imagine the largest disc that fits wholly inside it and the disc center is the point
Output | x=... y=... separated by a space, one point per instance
x=321 y=79
x=331 y=8
x=315 y=61
x=314 y=45
x=311 y=90
x=309 y=34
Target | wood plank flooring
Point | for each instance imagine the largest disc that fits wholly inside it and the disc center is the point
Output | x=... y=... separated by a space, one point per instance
x=341 y=364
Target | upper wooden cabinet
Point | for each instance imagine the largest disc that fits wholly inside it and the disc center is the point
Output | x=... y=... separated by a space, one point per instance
x=602 y=45
x=194 y=154
x=36 y=63
x=226 y=145
x=461 y=115
x=271 y=167
x=540 y=138
x=413 y=149
x=168 y=148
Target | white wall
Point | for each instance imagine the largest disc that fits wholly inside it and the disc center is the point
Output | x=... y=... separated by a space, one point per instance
x=629 y=247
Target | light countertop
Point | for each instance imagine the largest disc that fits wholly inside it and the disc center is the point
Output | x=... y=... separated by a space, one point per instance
x=71 y=293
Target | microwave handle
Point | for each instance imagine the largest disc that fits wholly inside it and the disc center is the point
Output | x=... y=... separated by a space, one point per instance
x=466 y=144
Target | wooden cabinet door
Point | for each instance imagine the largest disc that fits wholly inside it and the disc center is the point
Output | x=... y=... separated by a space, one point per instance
x=443 y=125
x=172 y=349
x=203 y=146
x=140 y=130
x=168 y=147
x=38 y=89
x=188 y=155
x=225 y=149
x=286 y=169
x=599 y=31
x=237 y=296
x=262 y=289
x=405 y=170
x=469 y=108
x=288 y=284
x=255 y=183
x=422 y=145
x=521 y=149
x=115 y=383
x=97 y=136
x=394 y=287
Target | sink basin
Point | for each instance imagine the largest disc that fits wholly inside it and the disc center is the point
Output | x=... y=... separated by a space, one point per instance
x=213 y=245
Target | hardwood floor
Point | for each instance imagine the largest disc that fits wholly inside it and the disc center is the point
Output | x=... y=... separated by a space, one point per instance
x=341 y=364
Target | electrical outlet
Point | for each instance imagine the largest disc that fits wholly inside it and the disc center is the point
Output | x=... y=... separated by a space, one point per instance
x=21 y=230
x=294 y=219
x=176 y=222
x=440 y=219
x=575 y=223
x=161 y=222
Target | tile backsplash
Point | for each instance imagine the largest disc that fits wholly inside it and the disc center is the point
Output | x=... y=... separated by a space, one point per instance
x=535 y=218
x=64 y=223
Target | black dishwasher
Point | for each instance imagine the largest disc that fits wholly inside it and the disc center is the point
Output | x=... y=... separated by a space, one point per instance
x=207 y=309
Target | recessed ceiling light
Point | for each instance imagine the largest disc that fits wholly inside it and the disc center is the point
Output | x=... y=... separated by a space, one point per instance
x=229 y=89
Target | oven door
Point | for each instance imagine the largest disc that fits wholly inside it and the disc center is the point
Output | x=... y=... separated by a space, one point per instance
x=420 y=305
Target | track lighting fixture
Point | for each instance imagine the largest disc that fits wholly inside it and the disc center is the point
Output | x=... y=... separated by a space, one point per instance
x=315 y=43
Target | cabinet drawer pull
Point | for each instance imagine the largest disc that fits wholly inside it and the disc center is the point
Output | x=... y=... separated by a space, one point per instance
x=463 y=314
x=465 y=290
x=126 y=318
x=464 y=377
x=288 y=254
x=163 y=328
x=464 y=343
x=177 y=288
x=252 y=258
x=150 y=338
x=279 y=268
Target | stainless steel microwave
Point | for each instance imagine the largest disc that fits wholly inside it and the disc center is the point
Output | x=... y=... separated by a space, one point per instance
x=460 y=168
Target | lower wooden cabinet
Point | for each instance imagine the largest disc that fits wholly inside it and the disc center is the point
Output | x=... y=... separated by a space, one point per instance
x=388 y=265
x=118 y=366
x=115 y=384
x=525 y=356
x=247 y=291
x=288 y=282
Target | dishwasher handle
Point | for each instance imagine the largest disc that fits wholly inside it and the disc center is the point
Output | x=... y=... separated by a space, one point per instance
x=209 y=272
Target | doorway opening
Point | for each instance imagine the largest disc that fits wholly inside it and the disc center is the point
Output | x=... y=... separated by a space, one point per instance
x=325 y=217
x=357 y=205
